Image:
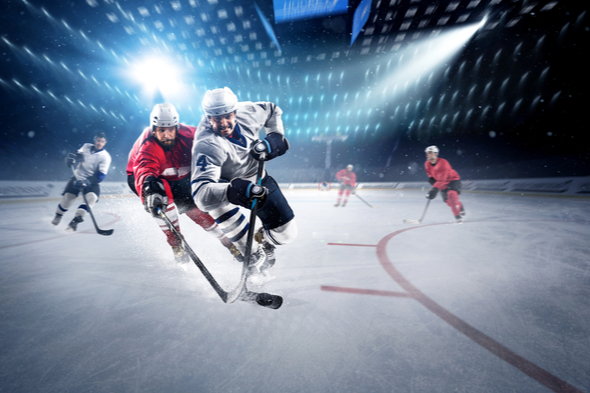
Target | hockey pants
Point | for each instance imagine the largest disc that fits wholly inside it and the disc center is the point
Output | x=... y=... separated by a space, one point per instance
x=344 y=189
x=70 y=194
x=276 y=216
x=452 y=200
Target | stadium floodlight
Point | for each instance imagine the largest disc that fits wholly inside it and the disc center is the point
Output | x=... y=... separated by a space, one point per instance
x=158 y=74
x=433 y=53
x=418 y=65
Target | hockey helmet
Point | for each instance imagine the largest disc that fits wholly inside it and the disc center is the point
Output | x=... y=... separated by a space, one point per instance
x=432 y=149
x=164 y=115
x=219 y=102
x=349 y=167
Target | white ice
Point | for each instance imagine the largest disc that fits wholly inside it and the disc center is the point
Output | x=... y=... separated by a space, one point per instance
x=496 y=304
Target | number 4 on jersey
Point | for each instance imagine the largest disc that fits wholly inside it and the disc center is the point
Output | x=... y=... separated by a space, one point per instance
x=202 y=162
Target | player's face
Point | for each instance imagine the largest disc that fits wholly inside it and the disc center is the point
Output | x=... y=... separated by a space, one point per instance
x=99 y=143
x=166 y=136
x=224 y=124
x=432 y=156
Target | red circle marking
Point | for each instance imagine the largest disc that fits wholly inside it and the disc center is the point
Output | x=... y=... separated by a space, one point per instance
x=542 y=376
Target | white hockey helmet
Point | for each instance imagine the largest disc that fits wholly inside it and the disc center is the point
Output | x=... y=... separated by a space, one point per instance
x=164 y=115
x=349 y=167
x=219 y=102
x=432 y=149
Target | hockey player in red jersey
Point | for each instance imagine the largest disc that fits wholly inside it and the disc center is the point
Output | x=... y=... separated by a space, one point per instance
x=159 y=168
x=347 y=179
x=445 y=179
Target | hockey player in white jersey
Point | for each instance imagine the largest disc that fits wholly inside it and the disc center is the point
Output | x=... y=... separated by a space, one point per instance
x=93 y=165
x=225 y=159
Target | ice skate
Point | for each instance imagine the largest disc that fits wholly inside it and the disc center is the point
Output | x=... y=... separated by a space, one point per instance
x=257 y=260
x=462 y=211
x=73 y=225
x=344 y=204
x=180 y=256
x=57 y=219
x=458 y=219
x=337 y=204
x=269 y=249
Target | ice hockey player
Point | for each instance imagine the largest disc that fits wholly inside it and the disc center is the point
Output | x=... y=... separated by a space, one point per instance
x=445 y=179
x=347 y=179
x=226 y=156
x=159 y=168
x=93 y=165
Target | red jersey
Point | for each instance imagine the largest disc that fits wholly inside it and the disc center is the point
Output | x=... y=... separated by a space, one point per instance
x=148 y=158
x=442 y=173
x=347 y=178
x=135 y=149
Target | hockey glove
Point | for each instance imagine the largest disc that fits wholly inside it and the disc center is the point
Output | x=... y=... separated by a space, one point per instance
x=242 y=192
x=432 y=193
x=272 y=146
x=71 y=159
x=80 y=184
x=154 y=195
x=431 y=180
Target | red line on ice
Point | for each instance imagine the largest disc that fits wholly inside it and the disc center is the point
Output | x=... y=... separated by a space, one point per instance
x=532 y=370
x=364 y=291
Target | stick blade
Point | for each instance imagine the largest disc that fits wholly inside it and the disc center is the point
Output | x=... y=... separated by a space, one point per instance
x=106 y=232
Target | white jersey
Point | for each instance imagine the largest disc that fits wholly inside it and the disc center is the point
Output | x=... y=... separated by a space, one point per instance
x=93 y=163
x=216 y=158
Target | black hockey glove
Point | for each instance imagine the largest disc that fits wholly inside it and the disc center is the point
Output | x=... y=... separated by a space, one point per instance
x=242 y=192
x=431 y=180
x=272 y=146
x=154 y=196
x=432 y=193
x=71 y=159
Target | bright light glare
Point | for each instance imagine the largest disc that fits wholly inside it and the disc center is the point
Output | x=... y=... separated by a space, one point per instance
x=433 y=54
x=418 y=64
x=158 y=73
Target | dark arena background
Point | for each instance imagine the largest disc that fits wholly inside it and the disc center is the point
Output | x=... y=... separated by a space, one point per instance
x=498 y=85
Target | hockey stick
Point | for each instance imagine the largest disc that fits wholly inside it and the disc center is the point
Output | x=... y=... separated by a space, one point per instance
x=408 y=221
x=264 y=299
x=104 y=232
x=240 y=292
x=362 y=199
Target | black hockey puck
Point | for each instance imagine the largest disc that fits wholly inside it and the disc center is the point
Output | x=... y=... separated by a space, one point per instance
x=269 y=301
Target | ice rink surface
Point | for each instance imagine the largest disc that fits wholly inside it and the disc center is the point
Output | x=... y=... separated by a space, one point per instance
x=499 y=303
